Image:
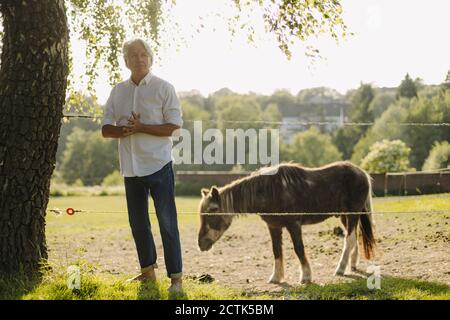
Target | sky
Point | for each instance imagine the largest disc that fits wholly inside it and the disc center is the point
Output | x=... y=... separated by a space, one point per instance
x=391 y=38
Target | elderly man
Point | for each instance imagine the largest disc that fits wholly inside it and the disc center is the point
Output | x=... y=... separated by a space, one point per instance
x=142 y=113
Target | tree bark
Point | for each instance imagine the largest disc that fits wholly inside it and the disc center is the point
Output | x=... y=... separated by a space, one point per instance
x=33 y=79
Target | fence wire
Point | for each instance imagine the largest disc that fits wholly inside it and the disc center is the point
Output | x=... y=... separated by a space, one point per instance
x=287 y=123
x=59 y=211
x=301 y=123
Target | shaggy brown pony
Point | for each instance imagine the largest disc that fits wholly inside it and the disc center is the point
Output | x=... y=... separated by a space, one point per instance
x=291 y=188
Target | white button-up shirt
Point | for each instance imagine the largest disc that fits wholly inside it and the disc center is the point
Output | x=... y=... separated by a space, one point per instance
x=155 y=99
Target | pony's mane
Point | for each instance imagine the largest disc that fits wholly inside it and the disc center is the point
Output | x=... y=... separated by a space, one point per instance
x=269 y=186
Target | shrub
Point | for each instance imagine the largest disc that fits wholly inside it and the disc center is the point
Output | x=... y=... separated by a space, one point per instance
x=113 y=179
x=439 y=157
x=387 y=156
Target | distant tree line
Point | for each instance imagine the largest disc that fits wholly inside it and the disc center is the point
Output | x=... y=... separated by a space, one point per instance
x=85 y=157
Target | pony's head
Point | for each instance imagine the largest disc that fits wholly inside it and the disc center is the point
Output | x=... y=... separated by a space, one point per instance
x=211 y=226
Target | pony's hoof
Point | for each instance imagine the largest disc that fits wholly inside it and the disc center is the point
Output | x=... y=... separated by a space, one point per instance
x=306 y=281
x=354 y=269
x=339 y=273
x=275 y=280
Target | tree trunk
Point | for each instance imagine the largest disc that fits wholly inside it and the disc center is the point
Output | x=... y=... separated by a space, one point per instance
x=33 y=79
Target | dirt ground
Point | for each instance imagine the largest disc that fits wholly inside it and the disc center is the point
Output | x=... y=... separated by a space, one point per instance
x=409 y=246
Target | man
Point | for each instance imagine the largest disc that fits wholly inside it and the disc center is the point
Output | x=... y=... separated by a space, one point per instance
x=142 y=113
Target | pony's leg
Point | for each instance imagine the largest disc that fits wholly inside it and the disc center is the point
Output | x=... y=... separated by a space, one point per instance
x=277 y=242
x=350 y=222
x=354 y=258
x=295 y=231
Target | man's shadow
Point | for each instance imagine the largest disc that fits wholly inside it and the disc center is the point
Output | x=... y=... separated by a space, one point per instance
x=149 y=290
x=178 y=296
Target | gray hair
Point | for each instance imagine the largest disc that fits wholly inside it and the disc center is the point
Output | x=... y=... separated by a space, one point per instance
x=127 y=45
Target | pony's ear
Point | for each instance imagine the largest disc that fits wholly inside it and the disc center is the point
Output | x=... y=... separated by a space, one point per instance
x=215 y=194
x=204 y=192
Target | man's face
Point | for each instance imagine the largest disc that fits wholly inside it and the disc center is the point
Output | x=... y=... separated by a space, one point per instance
x=138 y=59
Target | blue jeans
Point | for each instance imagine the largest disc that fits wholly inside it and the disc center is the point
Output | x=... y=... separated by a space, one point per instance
x=160 y=185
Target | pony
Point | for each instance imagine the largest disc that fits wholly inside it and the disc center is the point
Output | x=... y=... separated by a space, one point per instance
x=287 y=189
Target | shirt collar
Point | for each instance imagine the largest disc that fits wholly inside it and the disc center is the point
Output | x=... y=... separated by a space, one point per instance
x=148 y=77
x=145 y=80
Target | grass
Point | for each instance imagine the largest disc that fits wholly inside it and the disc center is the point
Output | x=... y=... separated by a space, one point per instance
x=109 y=213
x=390 y=289
x=414 y=203
x=53 y=286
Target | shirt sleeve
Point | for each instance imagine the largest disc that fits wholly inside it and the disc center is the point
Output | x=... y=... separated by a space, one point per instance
x=108 y=110
x=172 y=108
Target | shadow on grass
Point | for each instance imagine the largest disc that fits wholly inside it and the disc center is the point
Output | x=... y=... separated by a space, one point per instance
x=354 y=288
x=14 y=287
x=149 y=290
x=391 y=288
x=178 y=296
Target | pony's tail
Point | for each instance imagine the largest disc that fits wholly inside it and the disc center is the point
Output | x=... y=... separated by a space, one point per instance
x=366 y=226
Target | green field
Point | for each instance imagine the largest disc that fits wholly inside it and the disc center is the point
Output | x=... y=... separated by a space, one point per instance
x=106 y=216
